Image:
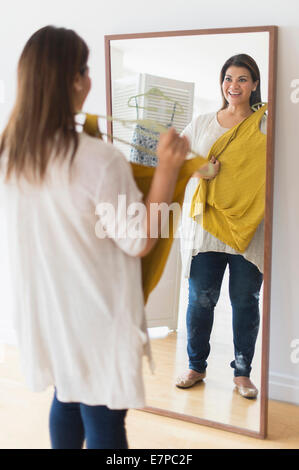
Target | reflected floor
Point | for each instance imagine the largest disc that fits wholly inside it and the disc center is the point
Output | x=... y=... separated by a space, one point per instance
x=213 y=399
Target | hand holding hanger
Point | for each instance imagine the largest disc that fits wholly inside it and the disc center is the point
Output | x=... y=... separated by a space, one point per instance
x=209 y=171
x=172 y=150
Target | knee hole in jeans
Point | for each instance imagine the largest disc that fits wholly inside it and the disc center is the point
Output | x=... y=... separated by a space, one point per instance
x=245 y=299
x=205 y=298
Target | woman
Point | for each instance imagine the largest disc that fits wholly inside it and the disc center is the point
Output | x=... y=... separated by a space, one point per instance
x=79 y=313
x=205 y=257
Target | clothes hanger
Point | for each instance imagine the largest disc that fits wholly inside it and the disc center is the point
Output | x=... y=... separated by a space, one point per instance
x=91 y=126
x=150 y=124
x=156 y=92
x=256 y=106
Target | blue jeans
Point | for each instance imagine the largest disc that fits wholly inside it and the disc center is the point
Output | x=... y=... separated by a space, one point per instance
x=72 y=423
x=245 y=280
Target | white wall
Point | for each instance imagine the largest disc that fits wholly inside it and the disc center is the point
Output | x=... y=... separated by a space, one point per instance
x=95 y=18
x=197 y=59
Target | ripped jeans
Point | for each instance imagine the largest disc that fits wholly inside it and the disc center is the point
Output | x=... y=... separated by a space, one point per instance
x=245 y=280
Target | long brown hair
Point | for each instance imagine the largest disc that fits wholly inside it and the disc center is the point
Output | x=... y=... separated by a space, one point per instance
x=44 y=107
x=243 y=60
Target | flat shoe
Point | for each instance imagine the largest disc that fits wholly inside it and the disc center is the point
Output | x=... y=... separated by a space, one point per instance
x=247 y=392
x=184 y=382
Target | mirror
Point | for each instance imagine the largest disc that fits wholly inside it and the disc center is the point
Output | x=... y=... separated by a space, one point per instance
x=185 y=68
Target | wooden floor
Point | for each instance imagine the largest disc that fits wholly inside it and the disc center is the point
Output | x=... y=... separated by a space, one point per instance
x=214 y=399
x=24 y=422
x=149 y=431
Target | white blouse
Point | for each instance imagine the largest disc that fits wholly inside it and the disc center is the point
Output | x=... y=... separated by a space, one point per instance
x=202 y=133
x=79 y=310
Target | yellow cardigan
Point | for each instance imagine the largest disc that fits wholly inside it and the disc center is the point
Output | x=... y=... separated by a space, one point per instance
x=232 y=205
x=154 y=263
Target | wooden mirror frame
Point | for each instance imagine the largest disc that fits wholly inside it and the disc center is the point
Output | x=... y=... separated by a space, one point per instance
x=272 y=30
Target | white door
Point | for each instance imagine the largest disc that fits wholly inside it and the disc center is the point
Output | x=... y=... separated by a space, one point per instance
x=163 y=303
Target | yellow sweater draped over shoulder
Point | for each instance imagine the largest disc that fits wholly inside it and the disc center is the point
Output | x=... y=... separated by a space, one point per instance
x=232 y=205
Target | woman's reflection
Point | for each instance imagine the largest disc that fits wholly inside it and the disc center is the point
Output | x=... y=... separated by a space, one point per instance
x=233 y=208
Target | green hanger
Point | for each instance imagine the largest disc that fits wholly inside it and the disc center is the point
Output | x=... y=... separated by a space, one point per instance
x=91 y=127
x=157 y=93
x=257 y=106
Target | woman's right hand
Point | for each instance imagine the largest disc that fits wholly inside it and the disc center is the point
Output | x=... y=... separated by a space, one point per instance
x=172 y=150
x=209 y=171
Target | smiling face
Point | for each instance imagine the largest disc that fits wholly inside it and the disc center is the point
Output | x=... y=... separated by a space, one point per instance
x=238 y=85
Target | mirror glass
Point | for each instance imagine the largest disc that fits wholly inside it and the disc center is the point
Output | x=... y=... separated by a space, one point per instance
x=186 y=69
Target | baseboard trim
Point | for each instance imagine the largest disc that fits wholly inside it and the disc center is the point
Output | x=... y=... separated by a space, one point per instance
x=284 y=387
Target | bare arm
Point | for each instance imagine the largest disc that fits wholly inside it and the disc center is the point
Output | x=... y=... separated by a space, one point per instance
x=172 y=150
